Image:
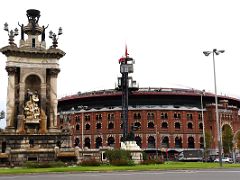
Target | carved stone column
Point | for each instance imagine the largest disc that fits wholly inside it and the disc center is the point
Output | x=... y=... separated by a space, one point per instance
x=11 y=96
x=43 y=96
x=21 y=97
x=53 y=97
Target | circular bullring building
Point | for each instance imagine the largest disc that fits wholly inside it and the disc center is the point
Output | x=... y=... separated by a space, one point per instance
x=162 y=119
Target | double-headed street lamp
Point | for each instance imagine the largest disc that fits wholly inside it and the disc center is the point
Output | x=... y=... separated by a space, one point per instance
x=207 y=53
x=203 y=123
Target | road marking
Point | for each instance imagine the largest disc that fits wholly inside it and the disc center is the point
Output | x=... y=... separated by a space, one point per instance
x=93 y=174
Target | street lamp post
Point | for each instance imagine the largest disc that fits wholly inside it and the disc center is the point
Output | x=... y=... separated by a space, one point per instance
x=203 y=123
x=82 y=108
x=156 y=141
x=207 y=53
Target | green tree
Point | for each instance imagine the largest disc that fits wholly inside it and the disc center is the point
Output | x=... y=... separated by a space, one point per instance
x=227 y=138
x=238 y=140
x=208 y=138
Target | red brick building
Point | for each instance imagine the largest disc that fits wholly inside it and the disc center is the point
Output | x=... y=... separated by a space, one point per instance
x=163 y=118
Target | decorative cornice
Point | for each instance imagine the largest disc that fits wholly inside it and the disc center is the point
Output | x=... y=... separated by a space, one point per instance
x=11 y=70
x=54 y=72
x=32 y=52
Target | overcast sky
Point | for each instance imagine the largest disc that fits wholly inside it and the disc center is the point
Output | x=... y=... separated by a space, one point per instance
x=165 y=37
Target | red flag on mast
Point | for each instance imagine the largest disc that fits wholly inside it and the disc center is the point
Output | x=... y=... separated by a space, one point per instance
x=126 y=52
x=122 y=59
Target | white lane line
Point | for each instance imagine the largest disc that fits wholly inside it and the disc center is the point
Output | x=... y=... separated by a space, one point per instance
x=93 y=174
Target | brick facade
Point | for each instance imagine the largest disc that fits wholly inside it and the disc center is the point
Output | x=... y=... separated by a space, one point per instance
x=161 y=126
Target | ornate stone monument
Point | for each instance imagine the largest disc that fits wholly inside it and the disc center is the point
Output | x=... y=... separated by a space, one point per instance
x=31 y=114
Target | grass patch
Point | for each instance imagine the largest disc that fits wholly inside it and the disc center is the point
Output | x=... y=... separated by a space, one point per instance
x=104 y=168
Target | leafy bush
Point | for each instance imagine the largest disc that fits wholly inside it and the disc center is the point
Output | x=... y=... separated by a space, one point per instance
x=119 y=157
x=144 y=154
x=90 y=162
x=122 y=162
x=152 y=161
x=31 y=164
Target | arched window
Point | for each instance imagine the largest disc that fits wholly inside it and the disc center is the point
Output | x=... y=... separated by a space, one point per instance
x=165 y=142
x=190 y=125
x=178 y=142
x=138 y=141
x=151 y=142
x=177 y=125
x=121 y=126
x=150 y=116
x=88 y=126
x=111 y=141
x=77 y=119
x=110 y=125
x=164 y=115
x=77 y=141
x=139 y=116
x=87 y=143
x=137 y=125
x=200 y=126
x=150 y=125
x=77 y=127
x=190 y=142
x=99 y=125
x=201 y=142
x=98 y=142
x=164 y=125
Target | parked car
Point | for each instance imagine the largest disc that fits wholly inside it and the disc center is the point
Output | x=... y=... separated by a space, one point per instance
x=224 y=160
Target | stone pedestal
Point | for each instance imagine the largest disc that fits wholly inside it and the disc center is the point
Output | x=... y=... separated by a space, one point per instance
x=10 y=129
x=135 y=150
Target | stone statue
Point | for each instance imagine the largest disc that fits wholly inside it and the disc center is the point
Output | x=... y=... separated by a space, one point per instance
x=35 y=96
x=22 y=31
x=43 y=32
x=31 y=109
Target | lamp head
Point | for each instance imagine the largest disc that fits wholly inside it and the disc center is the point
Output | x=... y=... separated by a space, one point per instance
x=217 y=52
x=15 y=31
x=50 y=34
x=206 y=53
x=5 y=27
x=60 y=31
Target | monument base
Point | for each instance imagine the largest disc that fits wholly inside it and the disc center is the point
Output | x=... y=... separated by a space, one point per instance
x=10 y=129
x=20 y=148
x=54 y=130
x=135 y=150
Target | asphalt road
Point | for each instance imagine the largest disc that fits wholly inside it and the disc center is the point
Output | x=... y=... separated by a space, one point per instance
x=221 y=174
